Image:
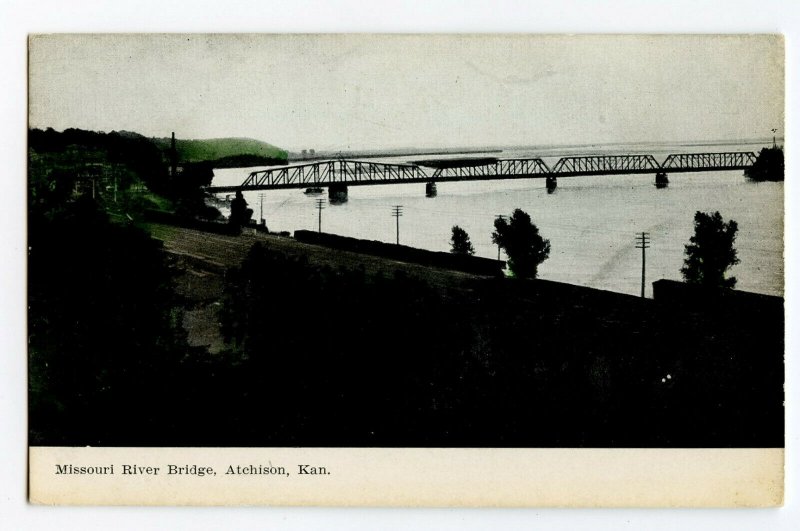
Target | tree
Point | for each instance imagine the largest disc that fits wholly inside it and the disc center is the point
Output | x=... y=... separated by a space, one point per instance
x=710 y=252
x=768 y=166
x=460 y=243
x=187 y=191
x=240 y=214
x=520 y=238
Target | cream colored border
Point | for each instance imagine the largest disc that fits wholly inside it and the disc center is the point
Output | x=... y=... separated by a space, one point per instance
x=416 y=477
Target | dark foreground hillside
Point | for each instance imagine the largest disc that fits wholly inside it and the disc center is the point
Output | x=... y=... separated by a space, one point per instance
x=328 y=349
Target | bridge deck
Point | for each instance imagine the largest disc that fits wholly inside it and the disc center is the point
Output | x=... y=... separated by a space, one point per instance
x=359 y=173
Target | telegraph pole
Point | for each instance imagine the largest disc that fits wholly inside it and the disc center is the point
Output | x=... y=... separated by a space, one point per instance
x=397 y=211
x=261 y=198
x=643 y=242
x=499 y=216
x=320 y=206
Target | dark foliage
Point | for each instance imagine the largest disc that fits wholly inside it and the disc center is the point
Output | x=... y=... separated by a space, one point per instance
x=338 y=357
x=240 y=214
x=350 y=374
x=460 y=242
x=134 y=150
x=768 y=166
x=342 y=357
x=185 y=189
x=58 y=158
x=520 y=239
x=710 y=252
x=105 y=341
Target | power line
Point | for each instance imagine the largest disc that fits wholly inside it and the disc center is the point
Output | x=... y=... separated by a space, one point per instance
x=320 y=206
x=499 y=216
x=397 y=211
x=643 y=242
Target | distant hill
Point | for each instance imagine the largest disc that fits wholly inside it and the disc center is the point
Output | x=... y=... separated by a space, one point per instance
x=226 y=152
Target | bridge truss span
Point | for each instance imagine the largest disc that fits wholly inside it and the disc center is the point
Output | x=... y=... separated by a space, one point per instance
x=325 y=173
x=342 y=172
x=684 y=162
x=605 y=165
x=501 y=169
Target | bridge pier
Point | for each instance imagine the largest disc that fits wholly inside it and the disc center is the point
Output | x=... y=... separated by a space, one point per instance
x=552 y=183
x=662 y=181
x=430 y=189
x=337 y=193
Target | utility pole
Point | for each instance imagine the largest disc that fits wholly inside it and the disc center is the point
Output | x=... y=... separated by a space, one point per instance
x=499 y=216
x=397 y=211
x=261 y=198
x=643 y=242
x=320 y=206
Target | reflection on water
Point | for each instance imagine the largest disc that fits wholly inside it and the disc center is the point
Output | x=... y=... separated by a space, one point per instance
x=591 y=221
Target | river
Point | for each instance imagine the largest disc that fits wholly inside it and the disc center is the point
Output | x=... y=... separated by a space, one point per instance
x=591 y=222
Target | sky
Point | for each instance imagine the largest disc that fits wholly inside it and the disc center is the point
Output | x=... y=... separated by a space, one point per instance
x=393 y=91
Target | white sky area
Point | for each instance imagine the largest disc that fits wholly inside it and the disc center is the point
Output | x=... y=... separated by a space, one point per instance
x=389 y=91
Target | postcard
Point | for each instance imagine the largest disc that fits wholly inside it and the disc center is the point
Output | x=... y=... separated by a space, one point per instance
x=499 y=270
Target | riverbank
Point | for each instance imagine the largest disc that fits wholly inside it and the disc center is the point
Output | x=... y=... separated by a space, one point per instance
x=202 y=259
x=543 y=363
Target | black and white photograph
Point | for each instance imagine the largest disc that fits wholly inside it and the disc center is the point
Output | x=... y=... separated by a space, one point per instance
x=416 y=241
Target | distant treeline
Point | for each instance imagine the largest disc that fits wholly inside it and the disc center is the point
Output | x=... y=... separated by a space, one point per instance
x=62 y=156
x=247 y=161
x=226 y=152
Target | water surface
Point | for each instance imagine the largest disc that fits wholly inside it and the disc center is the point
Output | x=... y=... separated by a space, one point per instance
x=591 y=222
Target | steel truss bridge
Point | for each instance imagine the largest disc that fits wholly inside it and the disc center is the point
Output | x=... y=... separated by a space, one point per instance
x=342 y=173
